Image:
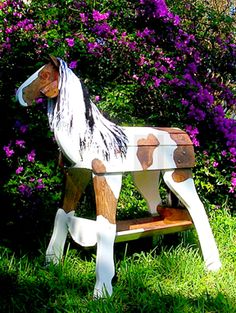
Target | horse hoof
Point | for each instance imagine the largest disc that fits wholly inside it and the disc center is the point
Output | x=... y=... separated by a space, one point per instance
x=214 y=266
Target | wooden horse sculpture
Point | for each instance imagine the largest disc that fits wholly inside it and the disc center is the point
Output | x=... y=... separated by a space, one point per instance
x=103 y=151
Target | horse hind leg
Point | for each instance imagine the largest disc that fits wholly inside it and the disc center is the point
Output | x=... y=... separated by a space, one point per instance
x=180 y=181
x=76 y=182
x=147 y=183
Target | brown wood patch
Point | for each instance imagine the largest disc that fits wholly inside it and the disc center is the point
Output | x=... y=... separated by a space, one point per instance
x=146 y=147
x=181 y=139
x=173 y=214
x=98 y=166
x=105 y=200
x=171 y=130
x=184 y=157
x=76 y=182
x=178 y=135
x=180 y=175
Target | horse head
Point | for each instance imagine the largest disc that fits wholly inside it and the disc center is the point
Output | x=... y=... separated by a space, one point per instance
x=44 y=82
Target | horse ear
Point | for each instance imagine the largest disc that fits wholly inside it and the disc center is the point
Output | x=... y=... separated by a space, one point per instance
x=54 y=61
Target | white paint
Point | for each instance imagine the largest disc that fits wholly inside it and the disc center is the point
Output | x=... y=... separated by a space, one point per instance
x=187 y=193
x=147 y=182
x=105 y=268
x=56 y=245
x=127 y=235
x=83 y=231
x=114 y=181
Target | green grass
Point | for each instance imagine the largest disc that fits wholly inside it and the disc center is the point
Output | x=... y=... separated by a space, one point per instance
x=170 y=277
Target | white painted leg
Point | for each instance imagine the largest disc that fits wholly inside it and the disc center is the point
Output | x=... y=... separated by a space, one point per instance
x=186 y=192
x=147 y=182
x=105 y=268
x=55 y=248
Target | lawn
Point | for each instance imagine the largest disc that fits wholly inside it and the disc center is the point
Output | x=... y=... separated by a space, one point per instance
x=163 y=274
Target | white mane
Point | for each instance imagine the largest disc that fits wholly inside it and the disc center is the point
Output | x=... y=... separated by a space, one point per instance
x=80 y=119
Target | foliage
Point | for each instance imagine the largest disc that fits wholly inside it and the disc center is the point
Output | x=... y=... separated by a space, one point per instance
x=144 y=64
x=157 y=280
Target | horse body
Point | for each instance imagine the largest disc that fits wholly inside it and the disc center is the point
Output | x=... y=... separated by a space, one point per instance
x=101 y=150
x=147 y=149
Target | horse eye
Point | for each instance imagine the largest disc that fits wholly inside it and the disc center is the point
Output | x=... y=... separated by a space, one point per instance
x=44 y=75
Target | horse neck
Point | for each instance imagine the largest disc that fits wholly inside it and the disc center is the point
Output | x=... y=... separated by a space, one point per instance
x=80 y=119
x=73 y=106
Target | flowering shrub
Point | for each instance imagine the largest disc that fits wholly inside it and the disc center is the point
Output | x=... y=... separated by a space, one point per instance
x=143 y=61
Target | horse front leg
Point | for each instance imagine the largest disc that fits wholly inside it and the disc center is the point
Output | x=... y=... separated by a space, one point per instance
x=107 y=189
x=76 y=182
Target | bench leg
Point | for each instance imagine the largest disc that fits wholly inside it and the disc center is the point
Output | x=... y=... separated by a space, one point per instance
x=181 y=183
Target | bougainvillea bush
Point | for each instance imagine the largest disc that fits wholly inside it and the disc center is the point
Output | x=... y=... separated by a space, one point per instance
x=144 y=62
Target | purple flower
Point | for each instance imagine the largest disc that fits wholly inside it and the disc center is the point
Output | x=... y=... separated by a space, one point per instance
x=102 y=29
x=204 y=96
x=9 y=152
x=215 y=164
x=132 y=45
x=145 y=33
x=39 y=100
x=94 y=48
x=157 y=81
x=70 y=42
x=40 y=184
x=97 y=16
x=232 y=151
x=141 y=61
x=193 y=132
x=192 y=67
x=19 y=170
x=25 y=190
x=176 y=20
x=189 y=79
x=196 y=113
x=20 y=143
x=73 y=64
x=24 y=129
x=233 y=182
x=97 y=98
x=83 y=17
x=31 y=156
x=184 y=102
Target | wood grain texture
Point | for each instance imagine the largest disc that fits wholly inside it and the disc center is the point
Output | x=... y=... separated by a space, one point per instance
x=106 y=202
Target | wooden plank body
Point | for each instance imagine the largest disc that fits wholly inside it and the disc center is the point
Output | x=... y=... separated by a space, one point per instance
x=148 y=148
